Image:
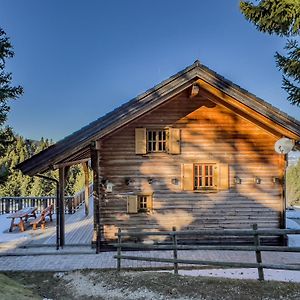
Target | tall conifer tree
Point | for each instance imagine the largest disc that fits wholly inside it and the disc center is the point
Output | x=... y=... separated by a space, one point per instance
x=7 y=91
x=280 y=17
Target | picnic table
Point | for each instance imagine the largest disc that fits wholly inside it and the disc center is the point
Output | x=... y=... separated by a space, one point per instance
x=22 y=214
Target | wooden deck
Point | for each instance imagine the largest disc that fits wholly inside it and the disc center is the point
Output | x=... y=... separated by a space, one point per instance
x=78 y=229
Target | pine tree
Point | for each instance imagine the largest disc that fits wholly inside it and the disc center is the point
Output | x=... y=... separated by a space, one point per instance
x=7 y=91
x=280 y=17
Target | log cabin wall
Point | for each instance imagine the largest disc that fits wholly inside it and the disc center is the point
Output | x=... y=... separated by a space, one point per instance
x=209 y=132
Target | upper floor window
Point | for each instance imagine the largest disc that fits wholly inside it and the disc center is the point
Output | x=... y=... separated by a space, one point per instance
x=149 y=140
x=156 y=140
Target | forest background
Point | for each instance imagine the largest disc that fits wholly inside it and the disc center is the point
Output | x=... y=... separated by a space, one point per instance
x=14 y=183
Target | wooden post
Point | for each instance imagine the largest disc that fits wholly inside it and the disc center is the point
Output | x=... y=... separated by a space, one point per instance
x=119 y=250
x=86 y=187
x=62 y=183
x=95 y=164
x=61 y=201
x=258 y=253
x=175 y=256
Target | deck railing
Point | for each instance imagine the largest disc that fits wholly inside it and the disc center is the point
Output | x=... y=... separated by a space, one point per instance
x=257 y=234
x=12 y=204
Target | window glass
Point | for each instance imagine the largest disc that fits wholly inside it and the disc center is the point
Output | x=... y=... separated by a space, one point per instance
x=203 y=176
x=156 y=140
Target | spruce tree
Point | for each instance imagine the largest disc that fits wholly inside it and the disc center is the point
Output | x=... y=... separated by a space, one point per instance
x=7 y=91
x=280 y=17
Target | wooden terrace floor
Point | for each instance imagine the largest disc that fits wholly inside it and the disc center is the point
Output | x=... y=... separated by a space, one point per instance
x=78 y=229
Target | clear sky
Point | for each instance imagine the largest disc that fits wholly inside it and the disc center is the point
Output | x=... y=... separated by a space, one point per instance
x=79 y=59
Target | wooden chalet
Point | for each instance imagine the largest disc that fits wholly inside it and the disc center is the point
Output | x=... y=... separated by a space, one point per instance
x=196 y=151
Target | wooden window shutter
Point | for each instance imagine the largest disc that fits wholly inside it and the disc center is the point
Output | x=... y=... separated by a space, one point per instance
x=223 y=177
x=216 y=176
x=187 y=177
x=174 y=141
x=150 y=202
x=132 y=204
x=140 y=141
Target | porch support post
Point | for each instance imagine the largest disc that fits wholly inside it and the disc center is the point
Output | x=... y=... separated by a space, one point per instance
x=62 y=183
x=95 y=164
x=86 y=187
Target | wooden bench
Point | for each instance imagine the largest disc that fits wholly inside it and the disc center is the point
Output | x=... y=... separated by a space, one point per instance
x=48 y=211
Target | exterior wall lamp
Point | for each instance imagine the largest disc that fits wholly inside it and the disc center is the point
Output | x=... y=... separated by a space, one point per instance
x=175 y=181
x=129 y=181
x=237 y=180
x=257 y=180
x=109 y=187
x=276 y=180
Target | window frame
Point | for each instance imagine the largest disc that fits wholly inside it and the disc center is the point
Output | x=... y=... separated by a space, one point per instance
x=204 y=176
x=153 y=143
x=147 y=201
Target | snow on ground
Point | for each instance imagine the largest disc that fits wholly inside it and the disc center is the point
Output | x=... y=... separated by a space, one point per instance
x=293 y=239
x=276 y=275
x=10 y=239
x=293 y=214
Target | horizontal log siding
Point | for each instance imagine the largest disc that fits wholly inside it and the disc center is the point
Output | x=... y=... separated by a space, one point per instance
x=208 y=132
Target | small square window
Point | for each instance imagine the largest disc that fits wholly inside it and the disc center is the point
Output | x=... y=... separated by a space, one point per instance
x=156 y=140
x=144 y=203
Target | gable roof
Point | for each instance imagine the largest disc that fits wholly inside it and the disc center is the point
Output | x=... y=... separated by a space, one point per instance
x=76 y=146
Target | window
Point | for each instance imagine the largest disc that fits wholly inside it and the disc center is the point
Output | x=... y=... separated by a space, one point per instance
x=139 y=203
x=156 y=140
x=144 y=203
x=203 y=176
x=148 y=140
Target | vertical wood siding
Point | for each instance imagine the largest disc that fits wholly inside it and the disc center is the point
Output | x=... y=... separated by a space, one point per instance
x=208 y=132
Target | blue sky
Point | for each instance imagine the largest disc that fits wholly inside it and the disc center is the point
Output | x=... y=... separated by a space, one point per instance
x=77 y=59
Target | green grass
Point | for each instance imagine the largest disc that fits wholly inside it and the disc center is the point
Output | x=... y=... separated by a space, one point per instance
x=11 y=290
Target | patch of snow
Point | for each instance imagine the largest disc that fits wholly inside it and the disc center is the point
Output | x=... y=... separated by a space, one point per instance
x=293 y=214
x=10 y=239
x=276 y=275
x=290 y=224
x=293 y=239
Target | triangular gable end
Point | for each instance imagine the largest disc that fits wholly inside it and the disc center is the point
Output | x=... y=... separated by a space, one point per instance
x=77 y=144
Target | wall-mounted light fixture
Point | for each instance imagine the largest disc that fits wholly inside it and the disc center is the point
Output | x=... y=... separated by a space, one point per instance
x=175 y=181
x=109 y=187
x=276 y=180
x=257 y=180
x=237 y=180
x=129 y=181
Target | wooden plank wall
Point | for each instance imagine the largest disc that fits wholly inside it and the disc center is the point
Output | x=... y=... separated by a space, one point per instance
x=208 y=132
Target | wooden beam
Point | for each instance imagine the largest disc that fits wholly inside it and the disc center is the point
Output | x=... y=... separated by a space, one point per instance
x=61 y=201
x=70 y=163
x=95 y=164
x=86 y=187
